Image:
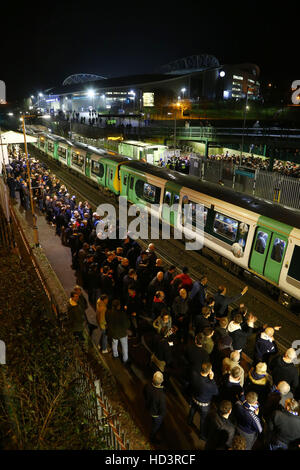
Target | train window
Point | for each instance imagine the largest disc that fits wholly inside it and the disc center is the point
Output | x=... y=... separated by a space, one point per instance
x=225 y=226
x=131 y=182
x=294 y=269
x=50 y=146
x=147 y=191
x=111 y=174
x=77 y=159
x=261 y=242
x=125 y=180
x=167 y=199
x=42 y=143
x=62 y=152
x=197 y=212
x=176 y=199
x=97 y=169
x=278 y=250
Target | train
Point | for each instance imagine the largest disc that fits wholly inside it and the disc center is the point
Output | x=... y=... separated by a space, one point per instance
x=247 y=234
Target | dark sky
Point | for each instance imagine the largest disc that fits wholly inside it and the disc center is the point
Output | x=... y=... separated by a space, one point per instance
x=43 y=44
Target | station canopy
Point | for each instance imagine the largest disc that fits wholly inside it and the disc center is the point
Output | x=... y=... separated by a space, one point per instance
x=11 y=137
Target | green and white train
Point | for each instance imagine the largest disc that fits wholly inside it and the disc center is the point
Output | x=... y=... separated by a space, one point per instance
x=247 y=233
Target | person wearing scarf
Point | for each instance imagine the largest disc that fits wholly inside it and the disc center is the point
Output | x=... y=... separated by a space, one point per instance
x=259 y=381
x=265 y=346
x=248 y=422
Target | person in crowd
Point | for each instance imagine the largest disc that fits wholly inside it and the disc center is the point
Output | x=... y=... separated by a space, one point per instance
x=240 y=330
x=232 y=361
x=248 y=422
x=222 y=301
x=101 y=309
x=259 y=381
x=276 y=399
x=220 y=430
x=117 y=327
x=204 y=389
x=265 y=345
x=282 y=368
x=164 y=320
x=185 y=279
x=231 y=389
x=76 y=317
x=284 y=427
x=155 y=399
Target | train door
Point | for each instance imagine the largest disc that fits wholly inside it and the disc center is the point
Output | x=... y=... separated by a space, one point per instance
x=268 y=253
x=69 y=151
x=169 y=214
x=88 y=166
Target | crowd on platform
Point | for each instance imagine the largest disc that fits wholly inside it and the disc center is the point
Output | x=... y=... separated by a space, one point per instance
x=193 y=336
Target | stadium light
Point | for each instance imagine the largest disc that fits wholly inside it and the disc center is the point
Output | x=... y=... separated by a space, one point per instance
x=91 y=93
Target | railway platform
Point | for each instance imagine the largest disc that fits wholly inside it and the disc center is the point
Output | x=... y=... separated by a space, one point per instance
x=175 y=434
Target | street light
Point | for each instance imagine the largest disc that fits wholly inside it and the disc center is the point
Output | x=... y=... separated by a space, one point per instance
x=183 y=90
x=244 y=123
x=91 y=94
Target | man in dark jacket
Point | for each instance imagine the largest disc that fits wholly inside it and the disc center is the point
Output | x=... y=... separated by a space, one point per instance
x=117 y=325
x=76 y=316
x=248 y=423
x=284 y=427
x=204 y=388
x=265 y=346
x=156 y=404
x=282 y=368
x=220 y=430
x=222 y=302
x=198 y=295
x=239 y=330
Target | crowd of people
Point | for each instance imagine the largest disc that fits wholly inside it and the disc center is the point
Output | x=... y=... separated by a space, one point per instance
x=193 y=336
x=254 y=162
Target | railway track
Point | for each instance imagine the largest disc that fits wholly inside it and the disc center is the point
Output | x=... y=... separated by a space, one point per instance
x=172 y=252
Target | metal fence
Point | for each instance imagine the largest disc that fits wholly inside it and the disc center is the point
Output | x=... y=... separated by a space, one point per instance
x=98 y=409
x=271 y=186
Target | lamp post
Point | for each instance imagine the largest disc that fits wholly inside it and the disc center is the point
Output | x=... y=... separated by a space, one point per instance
x=244 y=123
x=34 y=218
x=179 y=106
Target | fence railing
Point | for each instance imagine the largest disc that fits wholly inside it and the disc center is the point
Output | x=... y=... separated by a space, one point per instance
x=98 y=408
x=268 y=185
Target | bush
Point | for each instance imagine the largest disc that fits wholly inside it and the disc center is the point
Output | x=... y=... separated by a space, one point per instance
x=44 y=395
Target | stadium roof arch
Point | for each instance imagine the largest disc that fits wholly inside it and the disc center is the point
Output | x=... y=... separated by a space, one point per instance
x=82 y=78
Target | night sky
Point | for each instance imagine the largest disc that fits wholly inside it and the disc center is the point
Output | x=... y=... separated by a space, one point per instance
x=41 y=45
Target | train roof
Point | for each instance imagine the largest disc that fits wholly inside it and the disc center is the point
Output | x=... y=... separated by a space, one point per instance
x=268 y=209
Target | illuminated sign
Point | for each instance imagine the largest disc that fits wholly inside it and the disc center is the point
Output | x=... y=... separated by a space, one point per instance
x=148 y=99
x=296 y=92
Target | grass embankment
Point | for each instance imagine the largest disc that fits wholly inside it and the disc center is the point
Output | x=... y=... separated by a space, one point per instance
x=42 y=405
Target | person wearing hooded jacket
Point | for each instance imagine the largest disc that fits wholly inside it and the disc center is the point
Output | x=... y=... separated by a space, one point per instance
x=240 y=330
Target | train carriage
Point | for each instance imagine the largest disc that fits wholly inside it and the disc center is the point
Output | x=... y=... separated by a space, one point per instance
x=249 y=233
x=104 y=169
